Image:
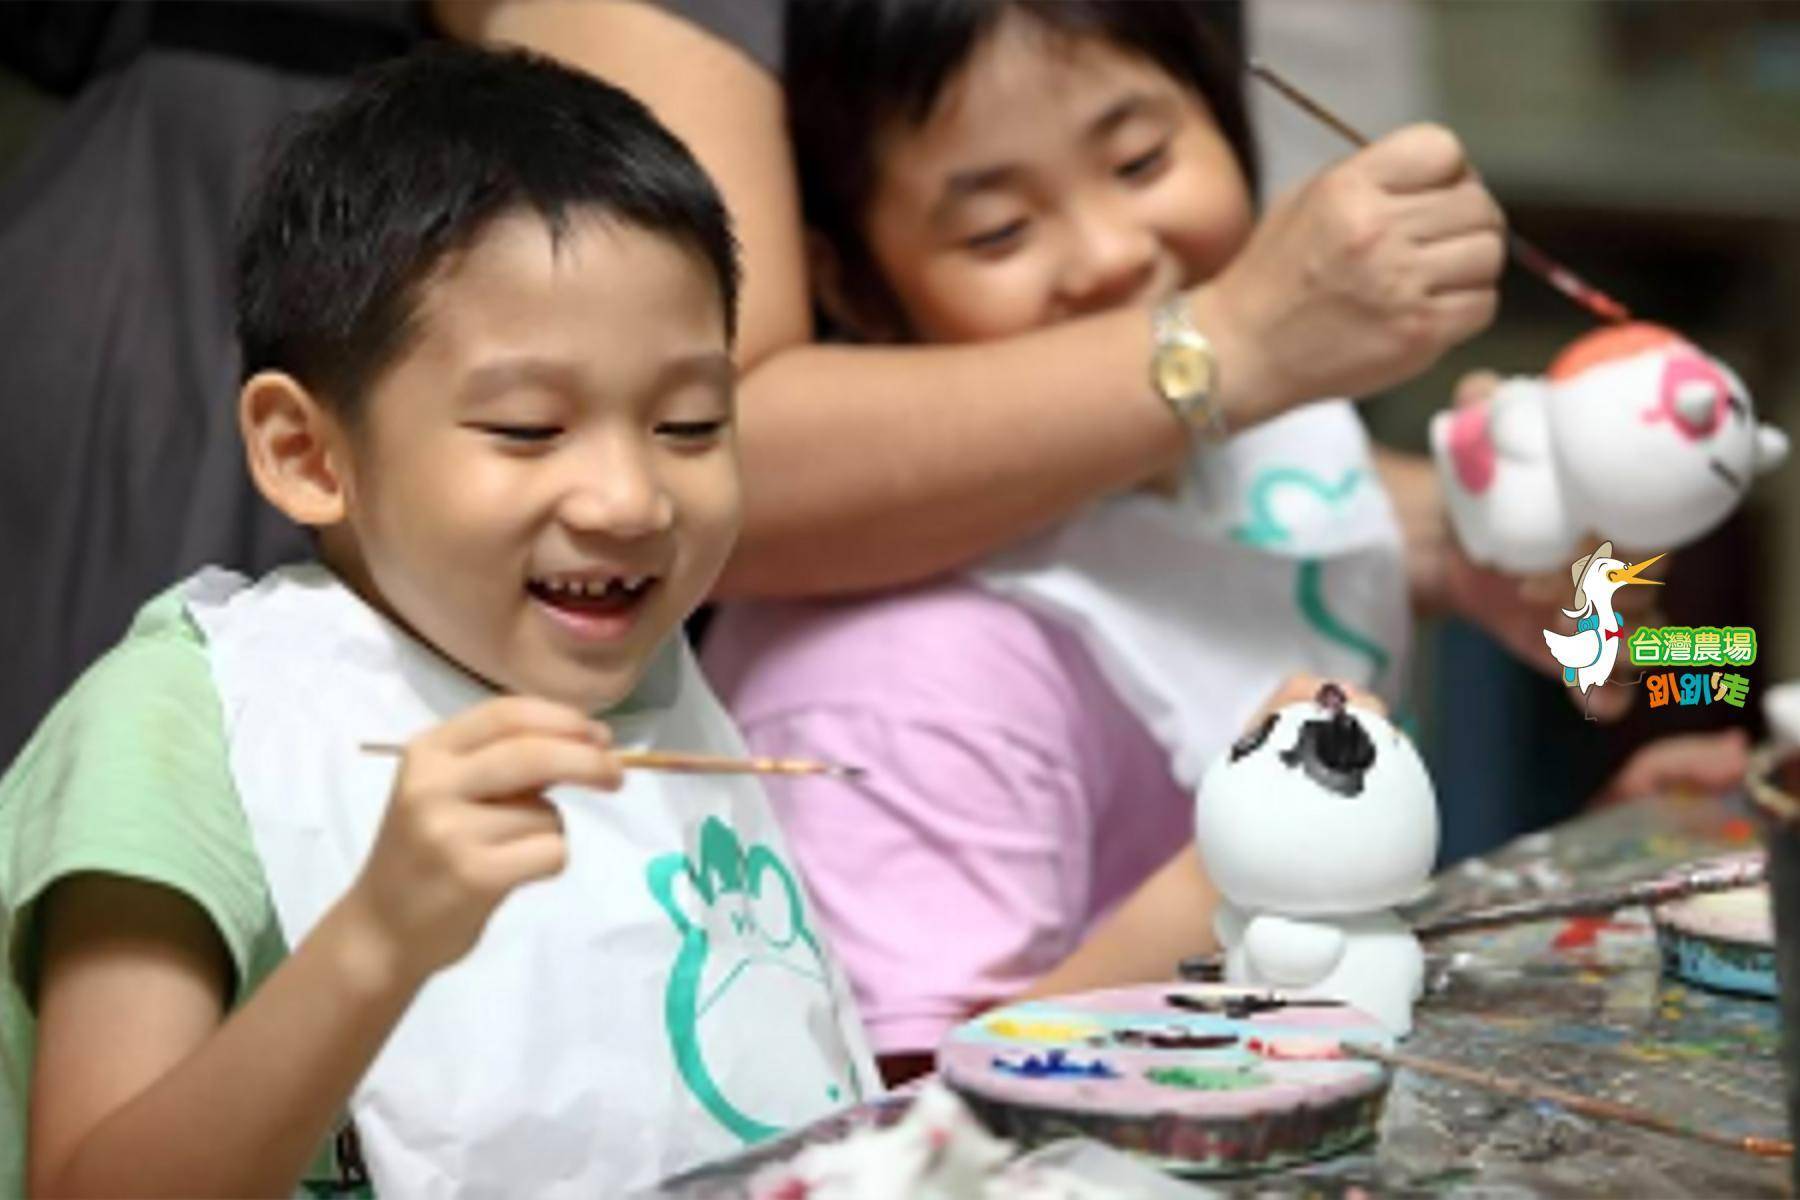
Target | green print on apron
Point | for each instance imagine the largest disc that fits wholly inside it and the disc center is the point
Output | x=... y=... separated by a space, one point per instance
x=544 y=1062
x=743 y=931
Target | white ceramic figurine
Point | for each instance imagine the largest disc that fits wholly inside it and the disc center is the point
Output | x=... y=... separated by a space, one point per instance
x=1313 y=827
x=1635 y=435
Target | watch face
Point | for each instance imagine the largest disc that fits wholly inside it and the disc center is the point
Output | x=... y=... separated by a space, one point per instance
x=1184 y=372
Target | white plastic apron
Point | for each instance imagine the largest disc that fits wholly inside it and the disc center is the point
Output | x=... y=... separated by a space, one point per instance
x=1280 y=554
x=665 y=1000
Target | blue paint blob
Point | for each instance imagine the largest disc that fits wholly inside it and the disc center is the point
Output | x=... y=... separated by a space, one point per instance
x=1054 y=1064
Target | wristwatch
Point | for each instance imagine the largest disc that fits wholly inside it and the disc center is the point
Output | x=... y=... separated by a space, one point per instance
x=1183 y=368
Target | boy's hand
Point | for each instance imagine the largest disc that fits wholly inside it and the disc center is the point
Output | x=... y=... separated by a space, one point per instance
x=466 y=824
x=1362 y=277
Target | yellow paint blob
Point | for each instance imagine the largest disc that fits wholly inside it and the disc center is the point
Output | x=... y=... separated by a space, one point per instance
x=1024 y=1029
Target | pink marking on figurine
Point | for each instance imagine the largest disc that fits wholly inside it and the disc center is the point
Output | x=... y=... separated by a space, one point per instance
x=1692 y=397
x=1472 y=448
x=1634 y=434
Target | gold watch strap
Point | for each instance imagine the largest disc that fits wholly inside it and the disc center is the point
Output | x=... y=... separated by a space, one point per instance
x=1185 y=368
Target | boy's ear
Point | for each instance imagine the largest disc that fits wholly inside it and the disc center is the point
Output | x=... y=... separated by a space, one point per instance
x=846 y=304
x=296 y=449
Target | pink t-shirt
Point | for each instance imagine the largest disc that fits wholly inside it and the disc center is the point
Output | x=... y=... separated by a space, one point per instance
x=1011 y=798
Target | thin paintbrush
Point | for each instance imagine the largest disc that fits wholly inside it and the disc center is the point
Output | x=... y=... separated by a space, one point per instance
x=1695 y=879
x=1591 y=1106
x=1527 y=255
x=693 y=764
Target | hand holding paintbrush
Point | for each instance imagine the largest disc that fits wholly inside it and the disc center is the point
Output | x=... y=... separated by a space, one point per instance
x=1523 y=252
x=1359 y=279
x=467 y=822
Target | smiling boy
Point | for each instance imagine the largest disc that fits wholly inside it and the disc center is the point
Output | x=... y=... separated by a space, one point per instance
x=486 y=306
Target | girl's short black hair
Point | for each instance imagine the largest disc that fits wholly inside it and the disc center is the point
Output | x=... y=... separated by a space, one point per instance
x=366 y=195
x=855 y=66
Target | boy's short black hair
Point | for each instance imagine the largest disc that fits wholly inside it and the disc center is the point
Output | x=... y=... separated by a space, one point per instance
x=855 y=66
x=365 y=196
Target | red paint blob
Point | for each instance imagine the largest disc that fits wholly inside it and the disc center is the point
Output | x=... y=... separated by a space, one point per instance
x=1579 y=932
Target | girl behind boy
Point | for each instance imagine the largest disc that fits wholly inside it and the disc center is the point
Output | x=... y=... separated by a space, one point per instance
x=486 y=306
x=1032 y=729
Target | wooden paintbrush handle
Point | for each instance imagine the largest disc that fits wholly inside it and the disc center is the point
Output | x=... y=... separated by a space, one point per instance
x=1693 y=881
x=1591 y=1106
x=690 y=764
x=717 y=764
x=1523 y=252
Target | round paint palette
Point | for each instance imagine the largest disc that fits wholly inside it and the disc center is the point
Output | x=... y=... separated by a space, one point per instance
x=1199 y=1078
x=1724 y=940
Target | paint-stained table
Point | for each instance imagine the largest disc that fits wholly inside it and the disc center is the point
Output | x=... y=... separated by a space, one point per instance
x=1580 y=1004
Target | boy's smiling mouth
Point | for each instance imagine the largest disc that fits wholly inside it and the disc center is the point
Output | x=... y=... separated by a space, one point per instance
x=592 y=606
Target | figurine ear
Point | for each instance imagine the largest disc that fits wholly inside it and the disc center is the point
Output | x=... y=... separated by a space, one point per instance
x=1771 y=448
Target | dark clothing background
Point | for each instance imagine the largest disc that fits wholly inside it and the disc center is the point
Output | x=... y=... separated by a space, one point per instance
x=120 y=464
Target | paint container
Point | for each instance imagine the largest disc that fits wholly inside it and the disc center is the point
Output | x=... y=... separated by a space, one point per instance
x=1171 y=1079
x=1775 y=793
x=1722 y=941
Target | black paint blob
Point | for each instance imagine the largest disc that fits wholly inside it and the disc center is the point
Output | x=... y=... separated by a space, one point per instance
x=1249 y=743
x=1238 y=1006
x=1174 y=1039
x=1335 y=753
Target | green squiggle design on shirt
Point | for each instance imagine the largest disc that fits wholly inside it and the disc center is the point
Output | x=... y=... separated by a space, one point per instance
x=1264 y=530
x=1309 y=594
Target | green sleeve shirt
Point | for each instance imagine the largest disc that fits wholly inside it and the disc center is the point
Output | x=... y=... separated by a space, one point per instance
x=128 y=775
